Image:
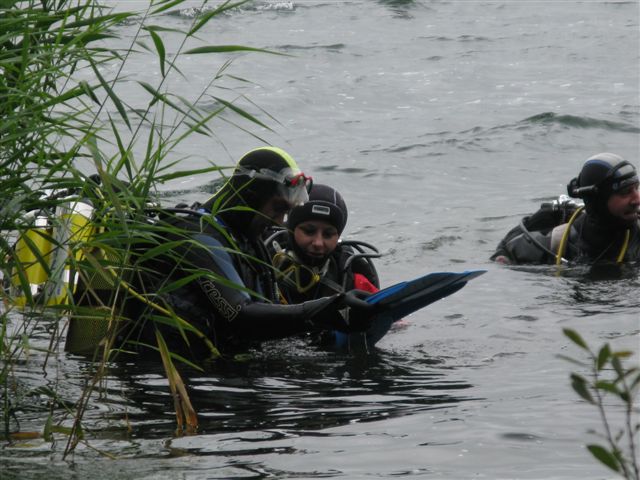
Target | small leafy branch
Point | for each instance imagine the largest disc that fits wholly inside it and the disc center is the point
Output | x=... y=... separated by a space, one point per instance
x=609 y=378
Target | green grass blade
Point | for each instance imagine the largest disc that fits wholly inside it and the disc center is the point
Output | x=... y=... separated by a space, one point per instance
x=116 y=101
x=160 y=49
x=228 y=49
x=166 y=5
x=209 y=15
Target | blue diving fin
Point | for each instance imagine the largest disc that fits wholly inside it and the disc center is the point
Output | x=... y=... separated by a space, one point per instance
x=404 y=298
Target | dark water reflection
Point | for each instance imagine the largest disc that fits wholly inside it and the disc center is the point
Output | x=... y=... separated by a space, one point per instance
x=251 y=412
x=289 y=387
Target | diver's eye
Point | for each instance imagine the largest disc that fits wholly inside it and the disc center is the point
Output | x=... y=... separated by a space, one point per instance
x=329 y=233
x=309 y=230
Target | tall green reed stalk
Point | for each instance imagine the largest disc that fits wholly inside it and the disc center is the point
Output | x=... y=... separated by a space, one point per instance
x=58 y=131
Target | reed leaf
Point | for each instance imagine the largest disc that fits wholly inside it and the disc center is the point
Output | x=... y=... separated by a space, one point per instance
x=228 y=49
x=186 y=416
x=116 y=101
x=205 y=17
x=160 y=49
x=165 y=5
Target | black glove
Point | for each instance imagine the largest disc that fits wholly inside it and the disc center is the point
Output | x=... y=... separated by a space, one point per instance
x=345 y=312
x=359 y=314
x=324 y=313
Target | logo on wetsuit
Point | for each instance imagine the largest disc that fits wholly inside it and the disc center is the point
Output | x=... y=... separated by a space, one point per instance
x=225 y=308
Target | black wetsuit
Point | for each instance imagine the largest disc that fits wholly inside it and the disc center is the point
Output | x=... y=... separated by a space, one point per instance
x=590 y=241
x=235 y=305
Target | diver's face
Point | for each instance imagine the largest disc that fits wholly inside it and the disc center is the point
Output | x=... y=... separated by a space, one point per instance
x=275 y=209
x=272 y=212
x=316 y=238
x=625 y=204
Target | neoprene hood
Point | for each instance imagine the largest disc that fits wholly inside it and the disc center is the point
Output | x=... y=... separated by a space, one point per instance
x=325 y=204
x=601 y=176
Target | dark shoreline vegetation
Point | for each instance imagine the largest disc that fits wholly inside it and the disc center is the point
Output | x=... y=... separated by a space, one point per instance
x=67 y=144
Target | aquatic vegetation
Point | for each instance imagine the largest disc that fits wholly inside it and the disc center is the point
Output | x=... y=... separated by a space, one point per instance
x=609 y=377
x=81 y=166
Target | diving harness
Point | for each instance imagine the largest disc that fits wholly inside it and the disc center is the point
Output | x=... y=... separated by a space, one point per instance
x=292 y=272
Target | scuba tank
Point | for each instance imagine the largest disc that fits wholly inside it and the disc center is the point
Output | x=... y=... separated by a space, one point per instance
x=550 y=215
x=45 y=252
x=32 y=252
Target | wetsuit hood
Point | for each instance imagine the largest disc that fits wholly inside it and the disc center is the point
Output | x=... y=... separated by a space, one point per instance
x=601 y=176
x=260 y=174
x=326 y=204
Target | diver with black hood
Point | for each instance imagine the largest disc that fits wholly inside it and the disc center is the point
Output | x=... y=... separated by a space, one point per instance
x=311 y=259
x=223 y=281
x=604 y=230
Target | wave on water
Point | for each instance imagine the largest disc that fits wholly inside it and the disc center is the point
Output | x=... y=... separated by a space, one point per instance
x=193 y=12
x=551 y=118
x=480 y=138
x=460 y=38
x=332 y=47
x=338 y=168
x=279 y=6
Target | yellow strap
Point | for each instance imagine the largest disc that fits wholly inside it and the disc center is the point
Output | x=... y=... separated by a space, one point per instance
x=565 y=236
x=625 y=245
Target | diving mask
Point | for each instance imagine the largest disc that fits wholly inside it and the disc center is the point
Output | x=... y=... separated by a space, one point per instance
x=296 y=274
x=293 y=185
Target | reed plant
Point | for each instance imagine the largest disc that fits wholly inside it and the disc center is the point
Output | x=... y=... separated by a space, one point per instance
x=68 y=138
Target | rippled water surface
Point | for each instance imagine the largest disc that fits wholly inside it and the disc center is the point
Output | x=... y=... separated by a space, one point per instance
x=442 y=123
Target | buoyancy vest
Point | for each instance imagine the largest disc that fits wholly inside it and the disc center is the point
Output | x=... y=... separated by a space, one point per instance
x=561 y=232
x=209 y=307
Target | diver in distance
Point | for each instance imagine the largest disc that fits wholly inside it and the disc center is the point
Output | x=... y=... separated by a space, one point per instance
x=217 y=276
x=606 y=229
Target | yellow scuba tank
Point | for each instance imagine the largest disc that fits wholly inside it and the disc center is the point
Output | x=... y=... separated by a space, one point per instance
x=71 y=231
x=31 y=254
x=43 y=252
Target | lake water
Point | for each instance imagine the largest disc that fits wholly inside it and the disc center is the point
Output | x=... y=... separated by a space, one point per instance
x=442 y=123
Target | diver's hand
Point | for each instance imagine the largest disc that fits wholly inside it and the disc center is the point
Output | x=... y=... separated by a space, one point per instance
x=324 y=313
x=359 y=314
x=345 y=312
x=504 y=260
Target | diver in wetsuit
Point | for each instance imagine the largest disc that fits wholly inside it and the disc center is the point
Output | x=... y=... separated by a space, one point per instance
x=310 y=259
x=226 y=286
x=605 y=230
x=312 y=263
